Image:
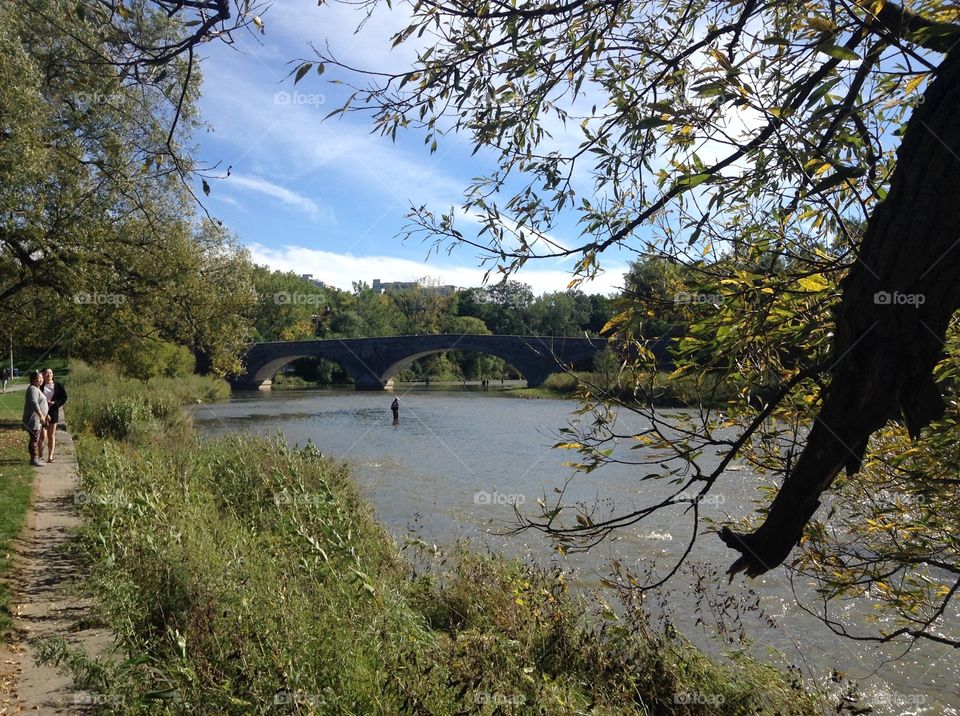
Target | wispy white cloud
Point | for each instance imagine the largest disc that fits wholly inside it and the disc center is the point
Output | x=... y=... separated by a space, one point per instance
x=282 y=194
x=221 y=197
x=279 y=130
x=299 y=22
x=273 y=135
x=342 y=269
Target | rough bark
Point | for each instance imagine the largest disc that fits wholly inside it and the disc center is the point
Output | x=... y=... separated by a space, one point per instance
x=883 y=353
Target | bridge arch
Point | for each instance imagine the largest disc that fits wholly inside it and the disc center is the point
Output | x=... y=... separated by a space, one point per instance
x=263 y=376
x=533 y=371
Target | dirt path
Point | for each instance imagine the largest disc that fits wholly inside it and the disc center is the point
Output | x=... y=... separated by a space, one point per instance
x=43 y=603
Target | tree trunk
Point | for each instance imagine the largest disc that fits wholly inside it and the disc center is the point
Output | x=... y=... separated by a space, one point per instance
x=884 y=350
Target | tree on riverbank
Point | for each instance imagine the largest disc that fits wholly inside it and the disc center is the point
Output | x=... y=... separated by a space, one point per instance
x=801 y=161
x=99 y=229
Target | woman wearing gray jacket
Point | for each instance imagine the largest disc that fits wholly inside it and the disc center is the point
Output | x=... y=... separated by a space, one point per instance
x=35 y=415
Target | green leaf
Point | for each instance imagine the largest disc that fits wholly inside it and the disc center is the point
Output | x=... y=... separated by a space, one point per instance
x=711 y=89
x=303 y=69
x=691 y=180
x=650 y=123
x=841 y=175
x=814 y=283
x=822 y=24
x=838 y=51
x=923 y=35
x=822 y=90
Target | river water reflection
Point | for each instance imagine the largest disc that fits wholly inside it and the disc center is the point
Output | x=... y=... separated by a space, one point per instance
x=457 y=461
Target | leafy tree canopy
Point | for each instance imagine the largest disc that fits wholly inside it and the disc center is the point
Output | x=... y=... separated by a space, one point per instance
x=101 y=254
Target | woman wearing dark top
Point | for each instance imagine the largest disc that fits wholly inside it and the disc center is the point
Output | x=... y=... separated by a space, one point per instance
x=56 y=396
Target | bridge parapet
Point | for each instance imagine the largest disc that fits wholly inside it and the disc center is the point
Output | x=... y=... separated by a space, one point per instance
x=373 y=362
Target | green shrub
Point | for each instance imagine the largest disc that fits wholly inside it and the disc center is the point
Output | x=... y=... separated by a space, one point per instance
x=562 y=382
x=116 y=418
x=151 y=358
x=111 y=406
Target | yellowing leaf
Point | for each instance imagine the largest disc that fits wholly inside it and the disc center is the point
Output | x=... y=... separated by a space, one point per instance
x=822 y=24
x=615 y=321
x=912 y=85
x=816 y=282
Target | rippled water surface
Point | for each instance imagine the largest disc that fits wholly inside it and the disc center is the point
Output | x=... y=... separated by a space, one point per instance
x=459 y=459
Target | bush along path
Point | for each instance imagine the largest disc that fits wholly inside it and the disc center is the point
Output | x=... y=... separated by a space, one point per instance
x=49 y=616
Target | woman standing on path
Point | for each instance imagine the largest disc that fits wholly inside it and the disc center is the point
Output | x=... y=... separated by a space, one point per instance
x=35 y=415
x=56 y=396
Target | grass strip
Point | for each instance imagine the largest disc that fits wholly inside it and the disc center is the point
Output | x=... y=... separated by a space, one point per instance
x=16 y=478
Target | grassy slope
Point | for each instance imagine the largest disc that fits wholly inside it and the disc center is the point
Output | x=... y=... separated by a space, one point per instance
x=15 y=489
x=242 y=576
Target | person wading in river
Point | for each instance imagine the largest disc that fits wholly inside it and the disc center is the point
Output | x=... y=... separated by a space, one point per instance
x=395 y=407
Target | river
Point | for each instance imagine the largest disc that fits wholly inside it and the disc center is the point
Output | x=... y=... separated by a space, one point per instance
x=459 y=459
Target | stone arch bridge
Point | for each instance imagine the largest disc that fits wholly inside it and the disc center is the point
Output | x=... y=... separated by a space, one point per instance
x=373 y=362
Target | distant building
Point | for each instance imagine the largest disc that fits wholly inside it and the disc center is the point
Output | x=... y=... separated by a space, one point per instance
x=316 y=282
x=423 y=284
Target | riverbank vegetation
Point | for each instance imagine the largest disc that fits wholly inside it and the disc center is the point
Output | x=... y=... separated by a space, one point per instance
x=634 y=387
x=242 y=575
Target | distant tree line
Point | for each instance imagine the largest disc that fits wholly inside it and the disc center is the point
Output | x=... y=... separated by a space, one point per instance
x=290 y=307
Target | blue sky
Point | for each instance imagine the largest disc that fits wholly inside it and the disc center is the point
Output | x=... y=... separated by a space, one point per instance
x=327 y=197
